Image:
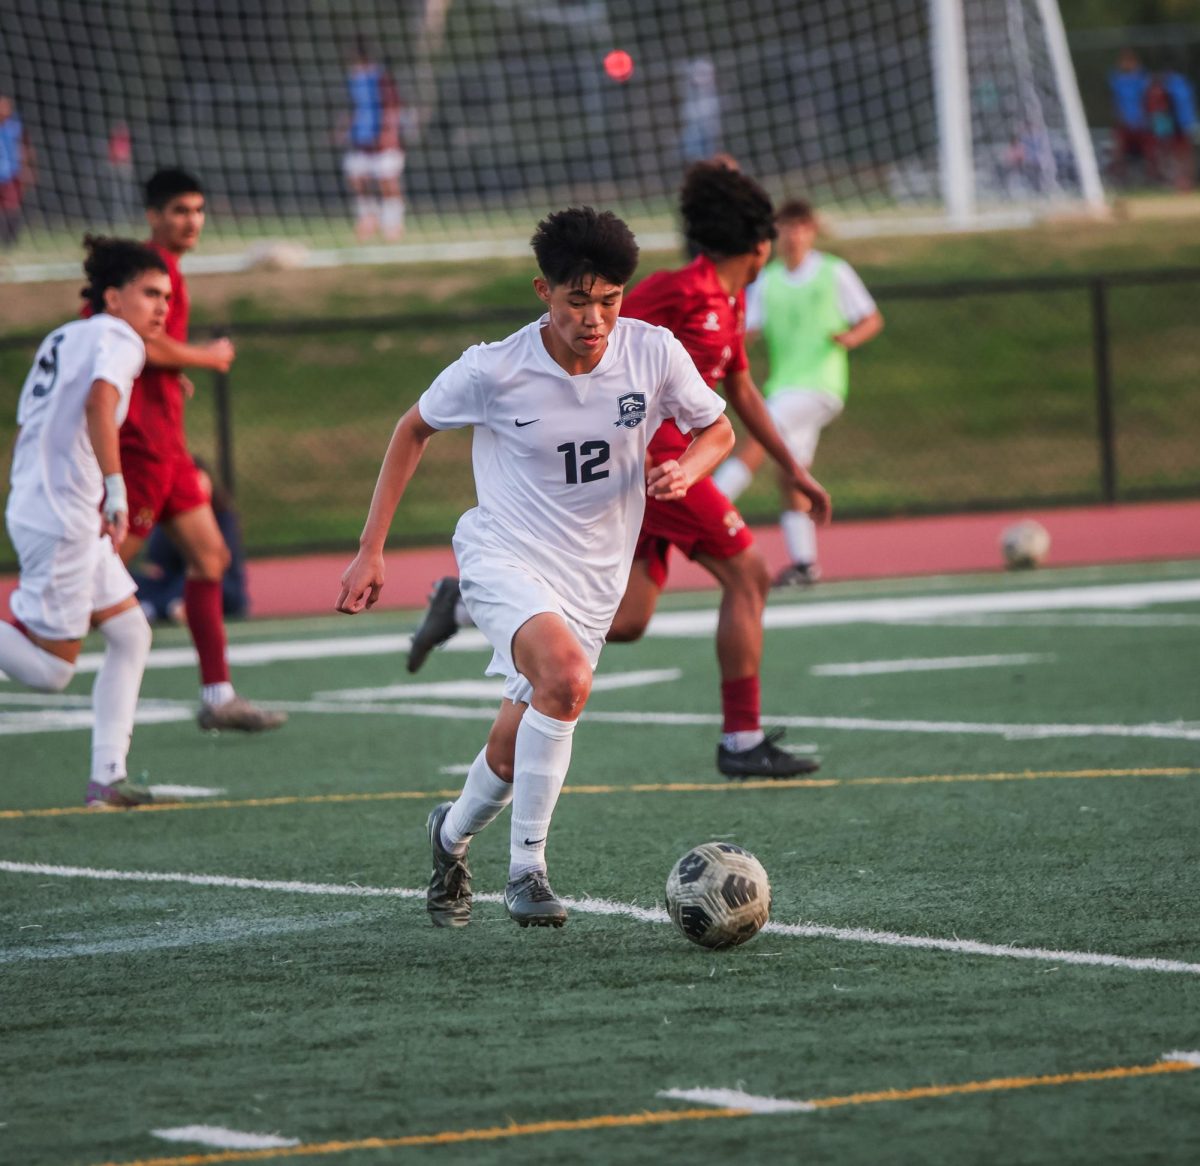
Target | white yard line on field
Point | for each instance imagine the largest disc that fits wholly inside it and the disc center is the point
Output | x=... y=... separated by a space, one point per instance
x=493 y=689
x=819 y=613
x=224 y=1139
x=930 y=664
x=737 y=1099
x=590 y=906
x=187 y=791
x=160 y=712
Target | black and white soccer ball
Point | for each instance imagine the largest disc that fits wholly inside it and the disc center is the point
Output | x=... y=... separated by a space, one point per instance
x=718 y=895
x=1025 y=545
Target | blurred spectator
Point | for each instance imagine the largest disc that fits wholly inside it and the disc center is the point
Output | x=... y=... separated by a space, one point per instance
x=1128 y=84
x=122 y=184
x=16 y=170
x=700 y=111
x=374 y=160
x=1183 y=106
x=161 y=569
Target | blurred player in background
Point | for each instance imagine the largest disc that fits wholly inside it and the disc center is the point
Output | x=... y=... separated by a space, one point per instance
x=812 y=310
x=728 y=218
x=563 y=412
x=67 y=510
x=374 y=160
x=16 y=170
x=164 y=484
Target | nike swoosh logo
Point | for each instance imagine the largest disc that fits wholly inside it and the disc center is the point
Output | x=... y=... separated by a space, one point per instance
x=534 y=841
x=522 y=424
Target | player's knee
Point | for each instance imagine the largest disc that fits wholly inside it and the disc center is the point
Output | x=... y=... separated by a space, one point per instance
x=566 y=690
x=212 y=562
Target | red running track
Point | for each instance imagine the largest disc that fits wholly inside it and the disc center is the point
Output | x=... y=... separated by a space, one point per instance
x=876 y=549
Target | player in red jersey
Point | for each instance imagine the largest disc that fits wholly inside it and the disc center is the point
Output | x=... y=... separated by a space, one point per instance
x=728 y=220
x=162 y=480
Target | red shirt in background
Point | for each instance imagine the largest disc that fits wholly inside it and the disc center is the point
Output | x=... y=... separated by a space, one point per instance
x=710 y=323
x=154 y=427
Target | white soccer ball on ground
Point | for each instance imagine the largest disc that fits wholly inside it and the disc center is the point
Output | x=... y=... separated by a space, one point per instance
x=1025 y=544
x=718 y=895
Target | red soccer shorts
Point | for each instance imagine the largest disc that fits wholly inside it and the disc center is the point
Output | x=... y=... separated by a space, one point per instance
x=159 y=490
x=703 y=522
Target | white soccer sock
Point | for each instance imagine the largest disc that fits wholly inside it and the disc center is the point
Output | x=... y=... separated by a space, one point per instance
x=543 y=755
x=742 y=740
x=462 y=617
x=215 y=695
x=731 y=477
x=115 y=694
x=366 y=212
x=392 y=217
x=799 y=535
x=30 y=665
x=483 y=797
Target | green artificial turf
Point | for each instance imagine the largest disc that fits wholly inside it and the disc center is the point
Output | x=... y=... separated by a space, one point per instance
x=337 y=1017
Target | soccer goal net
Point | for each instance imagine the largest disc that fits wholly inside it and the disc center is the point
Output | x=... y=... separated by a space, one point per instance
x=446 y=126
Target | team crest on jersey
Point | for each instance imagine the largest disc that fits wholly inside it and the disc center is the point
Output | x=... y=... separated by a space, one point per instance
x=712 y=322
x=631 y=410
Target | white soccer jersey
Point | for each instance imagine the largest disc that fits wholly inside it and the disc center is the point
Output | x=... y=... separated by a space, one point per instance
x=854 y=301
x=560 y=460
x=57 y=486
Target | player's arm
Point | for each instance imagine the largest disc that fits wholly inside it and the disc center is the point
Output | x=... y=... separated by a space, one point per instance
x=866 y=329
x=100 y=411
x=749 y=404
x=363 y=579
x=671 y=480
x=166 y=352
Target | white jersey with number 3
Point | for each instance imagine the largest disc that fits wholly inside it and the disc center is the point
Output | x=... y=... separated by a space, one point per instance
x=57 y=485
x=560 y=460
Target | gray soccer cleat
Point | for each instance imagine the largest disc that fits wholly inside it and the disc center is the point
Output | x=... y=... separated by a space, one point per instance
x=532 y=903
x=119 y=795
x=797 y=575
x=439 y=623
x=448 y=897
x=240 y=714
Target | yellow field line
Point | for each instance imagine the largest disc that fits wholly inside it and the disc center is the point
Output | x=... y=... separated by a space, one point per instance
x=659 y=1117
x=669 y=787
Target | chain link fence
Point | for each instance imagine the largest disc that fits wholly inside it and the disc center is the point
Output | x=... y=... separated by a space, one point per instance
x=988 y=394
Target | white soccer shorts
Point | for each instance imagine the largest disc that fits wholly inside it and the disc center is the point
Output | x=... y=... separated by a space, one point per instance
x=800 y=415
x=64 y=580
x=502 y=595
x=380 y=165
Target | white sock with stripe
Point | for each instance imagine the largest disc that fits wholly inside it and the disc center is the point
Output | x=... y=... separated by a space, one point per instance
x=543 y=756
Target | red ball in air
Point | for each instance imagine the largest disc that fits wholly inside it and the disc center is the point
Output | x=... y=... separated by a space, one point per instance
x=618 y=65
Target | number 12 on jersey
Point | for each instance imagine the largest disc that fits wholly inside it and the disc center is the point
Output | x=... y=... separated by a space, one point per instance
x=589 y=470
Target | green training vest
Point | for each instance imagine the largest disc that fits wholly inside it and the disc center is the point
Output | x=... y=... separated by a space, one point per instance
x=798 y=324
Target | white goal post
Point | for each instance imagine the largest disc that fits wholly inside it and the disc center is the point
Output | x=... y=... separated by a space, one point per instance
x=888 y=114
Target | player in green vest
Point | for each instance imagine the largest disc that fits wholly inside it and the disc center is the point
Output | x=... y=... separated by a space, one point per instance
x=812 y=310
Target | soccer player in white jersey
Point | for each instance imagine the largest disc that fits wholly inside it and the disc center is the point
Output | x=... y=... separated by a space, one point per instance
x=813 y=310
x=67 y=510
x=562 y=411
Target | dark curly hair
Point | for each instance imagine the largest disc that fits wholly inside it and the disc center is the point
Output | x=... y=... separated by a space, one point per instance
x=114 y=263
x=725 y=212
x=581 y=243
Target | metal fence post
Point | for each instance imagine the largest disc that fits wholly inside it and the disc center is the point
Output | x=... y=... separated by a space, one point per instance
x=1102 y=365
x=224 y=417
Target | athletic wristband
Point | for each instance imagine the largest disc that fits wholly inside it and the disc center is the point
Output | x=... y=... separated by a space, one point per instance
x=115 y=500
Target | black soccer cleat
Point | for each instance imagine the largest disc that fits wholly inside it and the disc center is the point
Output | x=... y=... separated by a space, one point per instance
x=532 y=903
x=439 y=624
x=766 y=759
x=448 y=897
x=797 y=575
